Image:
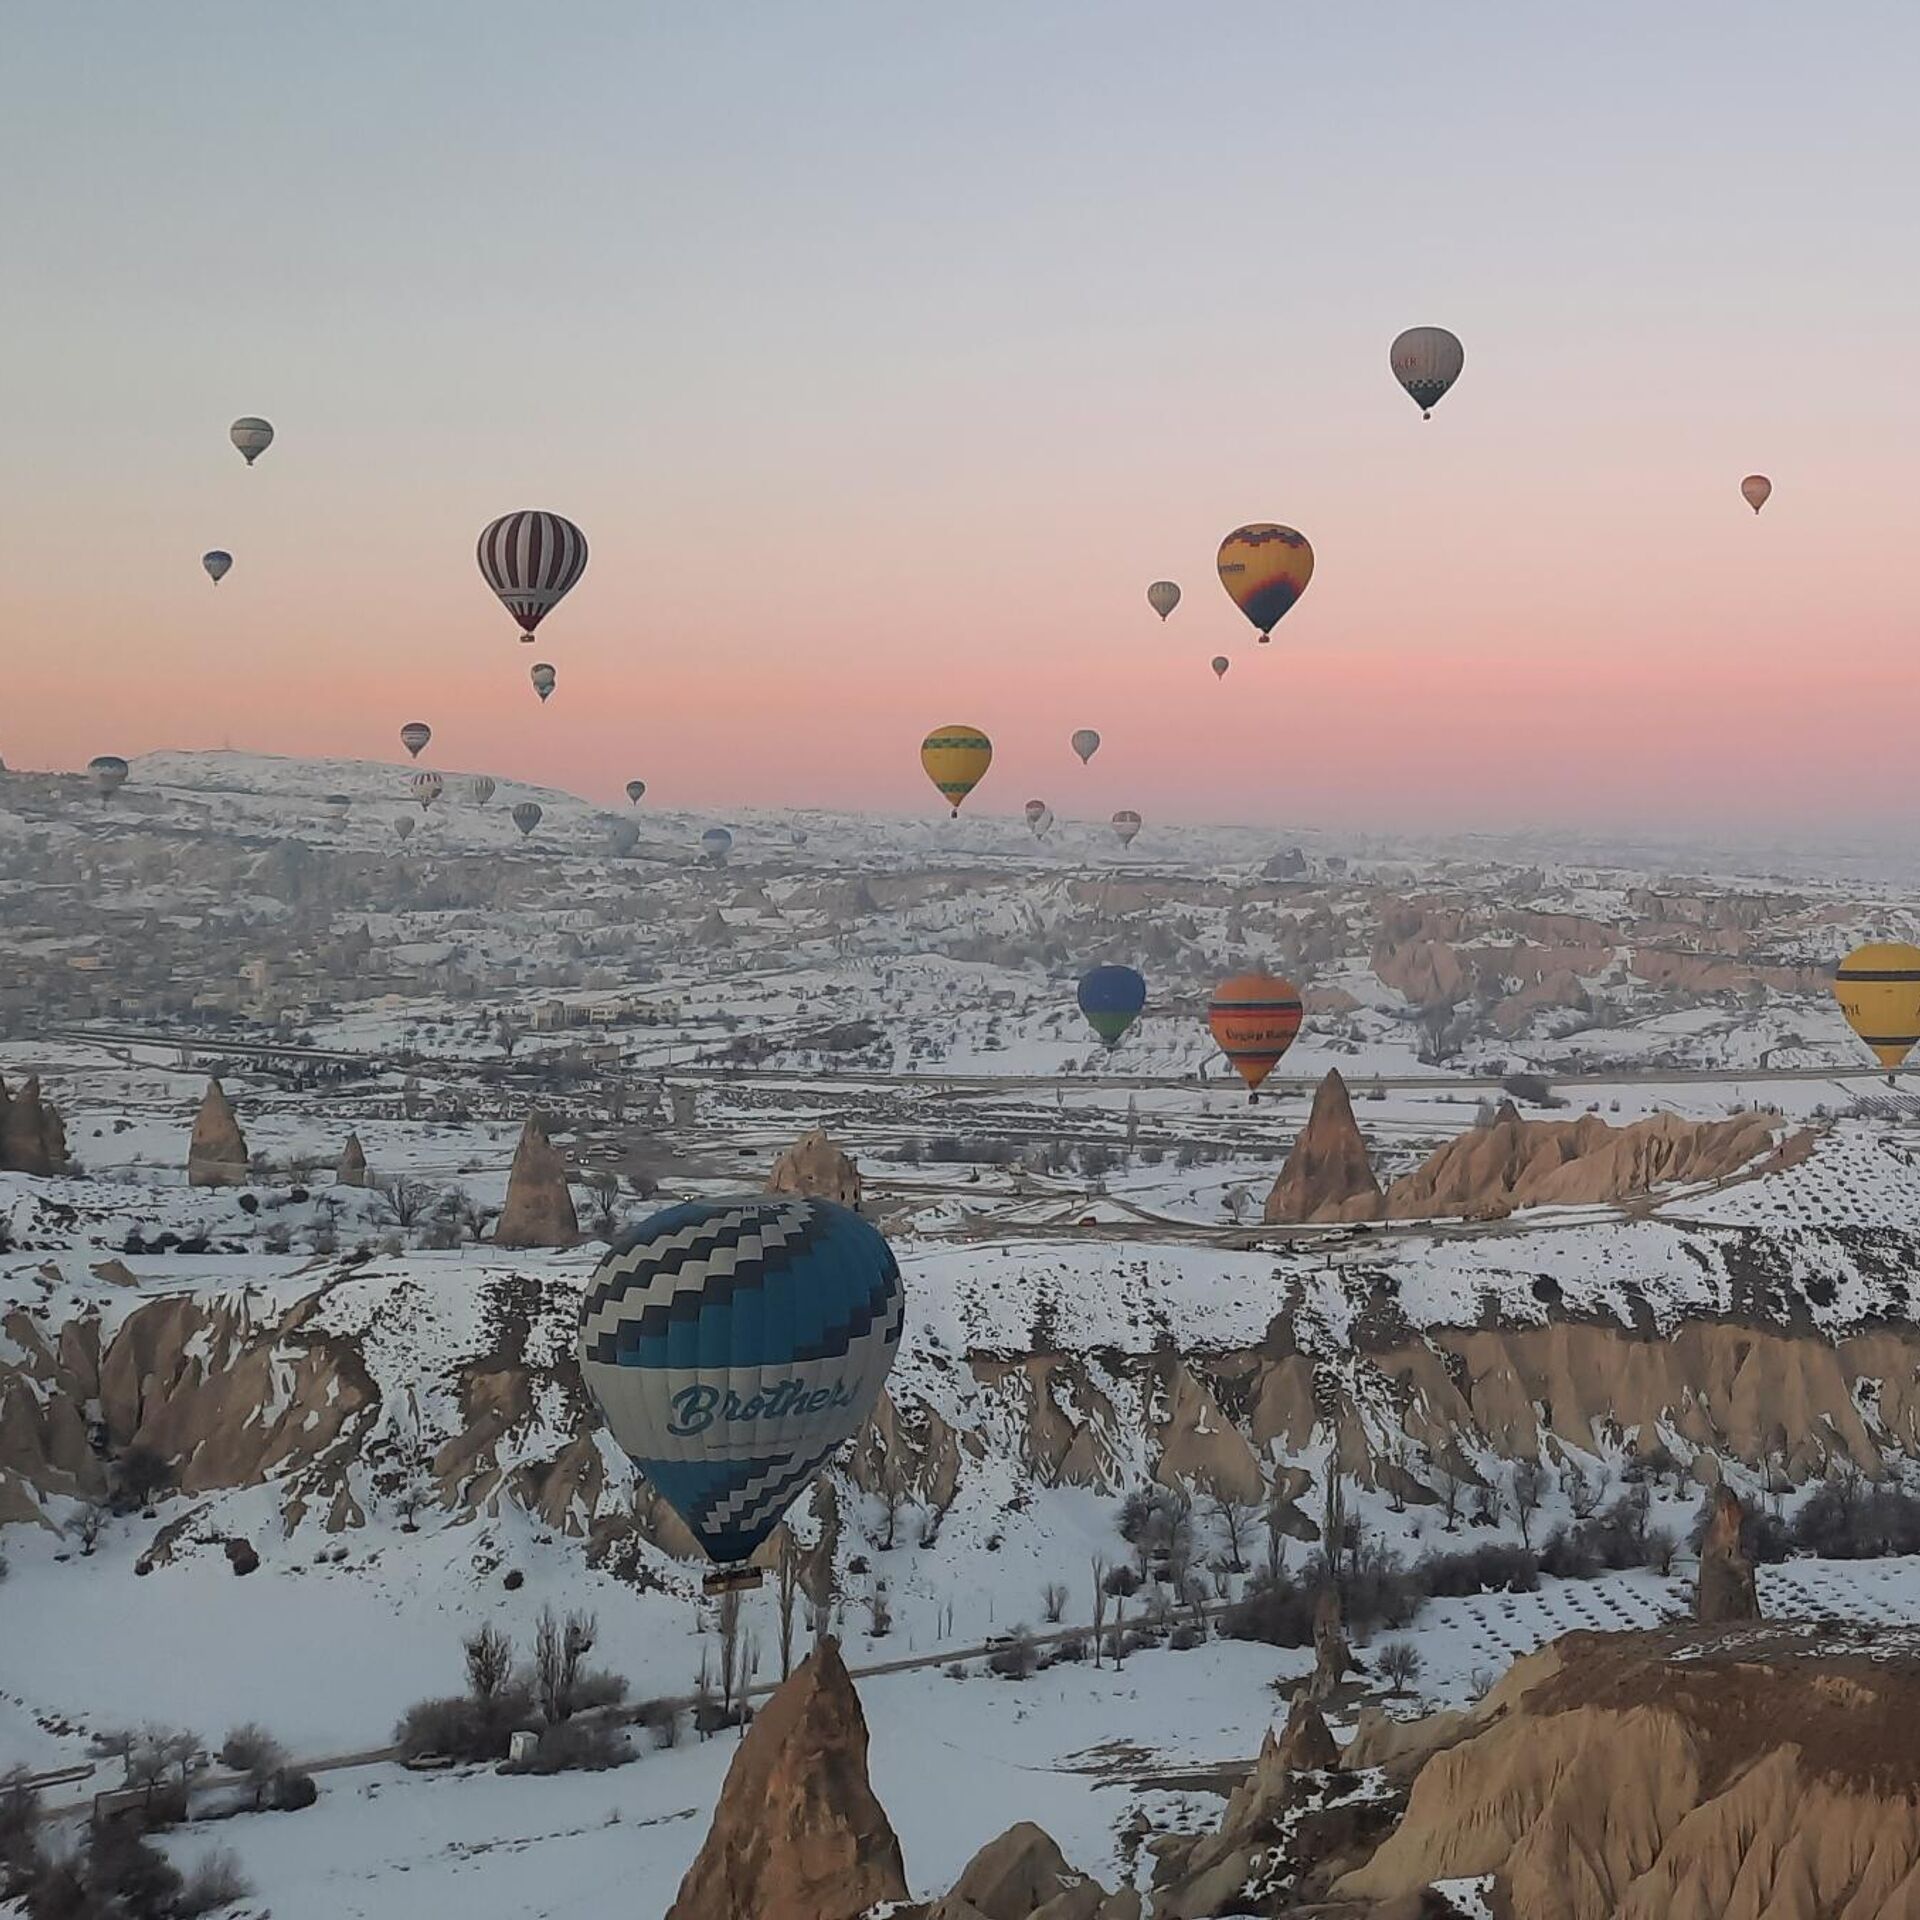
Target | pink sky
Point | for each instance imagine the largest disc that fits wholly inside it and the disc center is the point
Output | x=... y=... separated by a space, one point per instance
x=885 y=419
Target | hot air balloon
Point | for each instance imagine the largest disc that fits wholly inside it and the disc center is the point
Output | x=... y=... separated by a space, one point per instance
x=625 y=836
x=1878 y=987
x=532 y=561
x=1265 y=569
x=716 y=843
x=1755 y=490
x=1220 y=665
x=404 y=826
x=956 y=760
x=109 y=773
x=216 y=564
x=1163 y=596
x=636 y=791
x=1111 y=998
x=1086 y=743
x=427 y=788
x=252 y=436
x=1033 y=810
x=526 y=816
x=1126 y=823
x=543 y=677
x=415 y=735
x=338 y=805
x=480 y=789
x=1044 y=825
x=733 y=1346
x=1426 y=361
x=1253 y=1019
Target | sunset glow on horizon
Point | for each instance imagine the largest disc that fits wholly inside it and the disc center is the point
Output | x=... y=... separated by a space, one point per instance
x=886 y=356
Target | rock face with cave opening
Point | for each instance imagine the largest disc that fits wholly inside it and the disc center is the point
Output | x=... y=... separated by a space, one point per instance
x=32 y=1138
x=815 y=1168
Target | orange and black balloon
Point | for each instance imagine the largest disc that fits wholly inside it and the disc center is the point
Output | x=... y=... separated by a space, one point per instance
x=1254 y=1018
x=1265 y=569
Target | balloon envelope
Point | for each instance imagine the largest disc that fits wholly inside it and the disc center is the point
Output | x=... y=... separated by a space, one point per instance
x=427 y=788
x=1878 y=987
x=956 y=760
x=216 y=564
x=1126 y=823
x=1220 y=665
x=1427 y=361
x=1756 y=489
x=1111 y=998
x=481 y=789
x=532 y=561
x=733 y=1347
x=1265 y=569
x=1254 y=1018
x=109 y=772
x=252 y=435
x=636 y=791
x=1163 y=596
x=1086 y=743
x=415 y=735
x=404 y=825
x=1034 y=809
x=526 y=816
x=625 y=836
x=543 y=678
x=716 y=843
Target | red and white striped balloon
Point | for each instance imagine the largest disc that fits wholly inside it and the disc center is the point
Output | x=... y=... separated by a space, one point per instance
x=532 y=561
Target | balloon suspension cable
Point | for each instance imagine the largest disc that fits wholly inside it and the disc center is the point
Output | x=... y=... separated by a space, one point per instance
x=732 y=1580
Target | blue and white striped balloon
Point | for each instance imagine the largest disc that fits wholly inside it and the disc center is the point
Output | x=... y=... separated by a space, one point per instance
x=733 y=1347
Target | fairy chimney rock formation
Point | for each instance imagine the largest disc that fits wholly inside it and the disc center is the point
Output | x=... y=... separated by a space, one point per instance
x=32 y=1140
x=1307 y=1746
x=1727 y=1591
x=814 y=1166
x=351 y=1168
x=798 y=1834
x=1328 y=1175
x=539 y=1210
x=217 y=1154
x=1020 y=1875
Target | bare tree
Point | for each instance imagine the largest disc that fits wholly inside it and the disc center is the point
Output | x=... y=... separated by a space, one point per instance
x=1235 y=1516
x=893 y=1497
x=604 y=1213
x=489 y=1662
x=1529 y=1489
x=1100 y=1597
x=787 y=1588
x=560 y=1650
x=251 y=1750
x=87 y=1526
x=1584 y=1491
x=407 y=1201
x=1053 y=1601
x=1452 y=1490
x=508 y=1036
x=1273 y=1518
x=729 y=1648
x=1398 y=1663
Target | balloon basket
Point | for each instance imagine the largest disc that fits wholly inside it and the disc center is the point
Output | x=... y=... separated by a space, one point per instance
x=732 y=1580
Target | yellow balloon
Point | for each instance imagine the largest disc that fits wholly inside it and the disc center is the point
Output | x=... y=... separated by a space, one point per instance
x=956 y=760
x=1265 y=569
x=1878 y=987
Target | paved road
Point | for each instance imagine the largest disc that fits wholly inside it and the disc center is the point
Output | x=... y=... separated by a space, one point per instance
x=620 y=1716
x=855 y=1078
